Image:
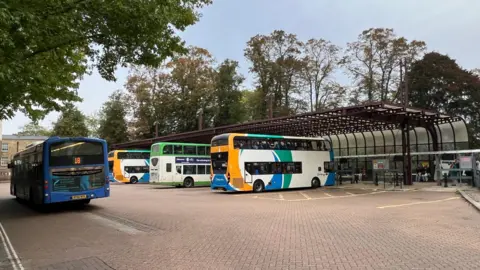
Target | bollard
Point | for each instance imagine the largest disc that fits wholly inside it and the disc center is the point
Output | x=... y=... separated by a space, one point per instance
x=445 y=180
x=341 y=179
x=376 y=179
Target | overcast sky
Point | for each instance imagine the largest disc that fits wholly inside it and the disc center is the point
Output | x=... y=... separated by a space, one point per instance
x=447 y=26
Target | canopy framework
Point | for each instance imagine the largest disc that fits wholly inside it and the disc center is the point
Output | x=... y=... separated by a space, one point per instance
x=372 y=118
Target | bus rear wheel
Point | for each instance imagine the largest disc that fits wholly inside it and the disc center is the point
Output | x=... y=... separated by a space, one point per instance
x=188 y=182
x=315 y=182
x=133 y=180
x=258 y=186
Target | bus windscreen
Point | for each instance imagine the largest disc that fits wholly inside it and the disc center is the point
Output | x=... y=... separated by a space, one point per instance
x=71 y=153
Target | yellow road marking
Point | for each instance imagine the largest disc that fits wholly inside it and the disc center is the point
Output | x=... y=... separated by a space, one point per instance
x=349 y=193
x=305 y=195
x=415 y=203
x=328 y=194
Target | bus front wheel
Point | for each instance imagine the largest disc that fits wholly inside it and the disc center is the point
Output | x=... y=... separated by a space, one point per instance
x=258 y=186
x=315 y=182
x=133 y=180
x=188 y=182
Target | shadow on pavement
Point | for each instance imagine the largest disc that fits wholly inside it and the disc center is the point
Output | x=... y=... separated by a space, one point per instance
x=11 y=208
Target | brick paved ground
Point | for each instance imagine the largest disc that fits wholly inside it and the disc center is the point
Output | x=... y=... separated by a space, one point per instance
x=141 y=227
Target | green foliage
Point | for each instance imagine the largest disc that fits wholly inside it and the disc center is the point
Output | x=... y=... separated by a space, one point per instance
x=93 y=124
x=45 y=45
x=112 y=123
x=230 y=109
x=373 y=62
x=437 y=82
x=34 y=129
x=71 y=123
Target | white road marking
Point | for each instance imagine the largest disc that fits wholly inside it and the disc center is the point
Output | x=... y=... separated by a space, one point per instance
x=305 y=195
x=349 y=193
x=335 y=197
x=415 y=203
x=113 y=224
x=328 y=194
x=11 y=253
x=280 y=195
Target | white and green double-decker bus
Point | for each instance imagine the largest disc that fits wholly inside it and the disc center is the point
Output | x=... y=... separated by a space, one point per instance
x=180 y=164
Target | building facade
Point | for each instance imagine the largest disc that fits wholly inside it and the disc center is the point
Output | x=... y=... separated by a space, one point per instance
x=12 y=144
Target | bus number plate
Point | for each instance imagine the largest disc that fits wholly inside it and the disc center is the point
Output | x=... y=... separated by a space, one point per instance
x=79 y=197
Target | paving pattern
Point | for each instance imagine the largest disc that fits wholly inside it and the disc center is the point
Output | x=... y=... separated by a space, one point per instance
x=144 y=227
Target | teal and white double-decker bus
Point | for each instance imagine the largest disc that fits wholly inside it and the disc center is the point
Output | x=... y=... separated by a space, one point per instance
x=180 y=164
x=258 y=162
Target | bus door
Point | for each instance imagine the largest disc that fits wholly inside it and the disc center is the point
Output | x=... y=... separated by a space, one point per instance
x=154 y=169
x=177 y=176
x=248 y=177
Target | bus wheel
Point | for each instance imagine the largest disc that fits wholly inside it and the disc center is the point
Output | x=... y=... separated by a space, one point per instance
x=133 y=180
x=188 y=182
x=315 y=182
x=258 y=186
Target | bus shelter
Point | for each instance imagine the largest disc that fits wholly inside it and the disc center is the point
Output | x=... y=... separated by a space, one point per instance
x=355 y=131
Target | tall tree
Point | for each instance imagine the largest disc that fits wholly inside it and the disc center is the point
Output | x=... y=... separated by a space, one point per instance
x=438 y=82
x=93 y=124
x=112 y=121
x=71 y=123
x=229 y=106
x=373 y=62
x=320 y=60
x=173 y=98
x=193 y=77
x=34 y=129
x=276 y=64
x=45 y=45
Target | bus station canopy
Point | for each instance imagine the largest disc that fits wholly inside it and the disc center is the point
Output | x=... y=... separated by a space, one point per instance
x=369 y=117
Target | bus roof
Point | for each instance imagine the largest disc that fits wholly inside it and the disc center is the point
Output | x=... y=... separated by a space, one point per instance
x=55 y=139
x=180 y=143
x=266 y=136
x=130 y=150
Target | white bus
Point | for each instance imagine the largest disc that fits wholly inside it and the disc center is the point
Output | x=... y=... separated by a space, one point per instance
x=129 y=166
x=255 y=162
x=180 y=164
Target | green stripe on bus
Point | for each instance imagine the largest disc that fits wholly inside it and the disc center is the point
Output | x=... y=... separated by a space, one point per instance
x=265 y=136
x=285 y=156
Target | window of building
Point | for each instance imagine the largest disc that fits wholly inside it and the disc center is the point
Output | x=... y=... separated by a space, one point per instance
x=4 y=147
x=4 y=161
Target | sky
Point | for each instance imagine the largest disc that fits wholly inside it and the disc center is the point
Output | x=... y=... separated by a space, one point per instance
x=449 y=27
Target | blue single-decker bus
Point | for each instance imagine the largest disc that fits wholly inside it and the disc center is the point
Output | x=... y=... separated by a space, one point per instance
x=61 y=170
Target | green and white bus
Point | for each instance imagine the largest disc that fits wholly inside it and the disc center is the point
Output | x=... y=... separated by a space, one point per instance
x=180 y=164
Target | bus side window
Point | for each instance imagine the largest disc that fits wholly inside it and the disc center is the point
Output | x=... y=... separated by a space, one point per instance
x=179 y=169
x=167 y=149
x=169 y=167
x=201 y=150
x=208 y=150
x=201 y=169
x=177 y=149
